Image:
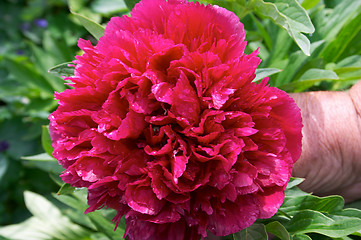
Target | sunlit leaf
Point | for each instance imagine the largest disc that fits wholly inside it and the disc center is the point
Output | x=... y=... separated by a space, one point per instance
x=62 y=70
x=257 y=231
x=278 y=230
x=265 y=72
x=289 y=15
x=93 y=28
x=46 y=140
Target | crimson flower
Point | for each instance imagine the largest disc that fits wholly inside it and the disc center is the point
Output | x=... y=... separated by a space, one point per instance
x=164 y=124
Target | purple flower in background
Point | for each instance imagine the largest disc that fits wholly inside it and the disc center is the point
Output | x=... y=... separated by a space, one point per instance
x=40 y=22
x=4 y=145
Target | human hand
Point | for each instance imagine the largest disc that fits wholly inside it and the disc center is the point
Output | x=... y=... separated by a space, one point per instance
x=331 y=155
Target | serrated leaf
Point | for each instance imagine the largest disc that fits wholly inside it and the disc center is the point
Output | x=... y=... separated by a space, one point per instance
x=52 y=221
x=265 y=72
x=257 y=231
x=277 y=229
x=290 y=16
x=62 y=70
x=93 y=28
x=46 y=140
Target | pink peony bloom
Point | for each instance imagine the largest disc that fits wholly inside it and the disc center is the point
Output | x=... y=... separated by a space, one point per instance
x=165 y=125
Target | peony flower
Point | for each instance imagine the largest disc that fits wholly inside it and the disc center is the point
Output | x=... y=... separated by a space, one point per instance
x=164 y=124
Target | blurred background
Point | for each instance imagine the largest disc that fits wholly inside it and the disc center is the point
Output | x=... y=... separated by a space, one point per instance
x=35 y=35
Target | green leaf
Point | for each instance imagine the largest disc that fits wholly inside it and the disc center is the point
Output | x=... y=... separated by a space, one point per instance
x=290 y=16
x=277 y=229
x=308 y=4
x=50 y=219
x=93 y=28
x=45 y=162
x=332 y=22
x=131 y=3
x=62 y=70
x=27 y=75
x=301 y=236
x=39 y=157
x=334 y=50
x=296 y=61
x=109 y=7
x=46 y=140
x=308 y=221
x=4 y=164
x=78 y=201
x=308 y=79
x=293 y=204
x=294 y=182
x=257 y=231
x=65 y=189
x=265 y=72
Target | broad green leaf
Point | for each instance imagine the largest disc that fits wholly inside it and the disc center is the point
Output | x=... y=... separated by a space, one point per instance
x=353 y=62
x=281 y=49
x=308 y=221
x=296 y=61
x=109 y=6
x=62 y=70
x=26 y=230
x=301 y=236
x=308 y=4
x=294 y=204
x=52 y=221
x=277 y=229
x=290 y=16
x=333 y=22
x=93 y=28
x=131 y=3
x=46 y=140
x=97 y=219
x=294 y=182
x=65 y=189
x=107 y=227
x=45 y=162
x=334 y=50
x=265 y=72
x=257 y=231
x=308 y=79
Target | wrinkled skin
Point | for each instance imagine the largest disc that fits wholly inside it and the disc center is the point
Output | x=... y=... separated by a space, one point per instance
x=331 y=156
x=330 y=160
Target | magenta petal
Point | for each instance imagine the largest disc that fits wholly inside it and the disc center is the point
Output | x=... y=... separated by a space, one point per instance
x=164 y=124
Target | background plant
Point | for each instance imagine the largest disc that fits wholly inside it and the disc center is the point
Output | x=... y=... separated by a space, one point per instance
x=304 y=45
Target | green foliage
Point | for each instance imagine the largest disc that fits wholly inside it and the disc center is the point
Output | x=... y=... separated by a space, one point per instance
x=303 y=215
